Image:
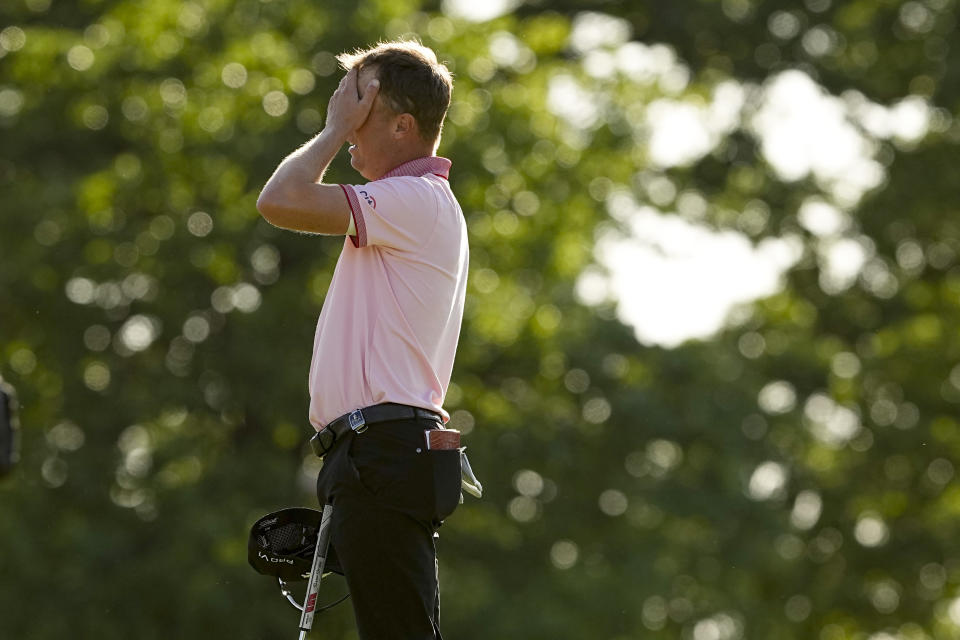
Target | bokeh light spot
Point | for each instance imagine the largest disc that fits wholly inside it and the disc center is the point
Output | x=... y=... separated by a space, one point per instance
x=564 y=554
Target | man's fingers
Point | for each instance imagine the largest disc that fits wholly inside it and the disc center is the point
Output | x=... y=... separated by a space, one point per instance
x=370 y=93
x=346 y=110
x=353 y=76
x=345 y=82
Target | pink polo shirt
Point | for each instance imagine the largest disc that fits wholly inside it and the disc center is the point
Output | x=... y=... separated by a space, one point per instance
x=390 y=323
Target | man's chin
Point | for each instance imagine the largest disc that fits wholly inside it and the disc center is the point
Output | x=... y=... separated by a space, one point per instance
x=360 y=168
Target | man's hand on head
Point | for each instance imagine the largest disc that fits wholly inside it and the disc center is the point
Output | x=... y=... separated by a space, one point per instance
x=294 y=196
x=346 y=112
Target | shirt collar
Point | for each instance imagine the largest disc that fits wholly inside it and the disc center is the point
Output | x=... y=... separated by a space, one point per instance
x=421 y=167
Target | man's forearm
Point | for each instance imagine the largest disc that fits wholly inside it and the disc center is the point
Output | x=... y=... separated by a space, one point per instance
x=292 y=197
x=308 y=163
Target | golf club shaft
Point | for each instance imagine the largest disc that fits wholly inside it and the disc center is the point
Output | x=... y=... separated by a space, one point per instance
x=316 y=572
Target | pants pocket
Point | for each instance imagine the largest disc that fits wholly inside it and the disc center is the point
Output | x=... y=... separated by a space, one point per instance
x=402 y=474
x=394 y=473
x=446 y=482
x=385 y=467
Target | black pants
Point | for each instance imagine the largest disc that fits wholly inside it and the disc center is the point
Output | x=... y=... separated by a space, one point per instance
x=390 y=494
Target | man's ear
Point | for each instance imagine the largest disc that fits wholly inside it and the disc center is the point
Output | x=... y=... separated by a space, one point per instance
x=405 y=125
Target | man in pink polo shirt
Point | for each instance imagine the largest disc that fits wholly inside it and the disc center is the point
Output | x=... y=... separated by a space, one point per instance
x=387 y=335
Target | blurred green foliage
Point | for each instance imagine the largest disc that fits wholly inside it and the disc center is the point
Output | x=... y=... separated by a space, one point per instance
x=158 y=331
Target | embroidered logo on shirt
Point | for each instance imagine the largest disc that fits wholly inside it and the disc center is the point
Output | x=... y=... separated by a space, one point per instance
x=369 y=198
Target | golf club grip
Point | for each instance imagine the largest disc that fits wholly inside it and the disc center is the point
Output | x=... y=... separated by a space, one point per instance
x=316 y=571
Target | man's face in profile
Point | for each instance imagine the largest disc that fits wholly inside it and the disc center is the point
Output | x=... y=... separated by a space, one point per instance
x=369 y=142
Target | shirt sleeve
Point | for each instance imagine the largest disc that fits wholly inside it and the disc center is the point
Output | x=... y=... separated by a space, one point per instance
x=399 y=212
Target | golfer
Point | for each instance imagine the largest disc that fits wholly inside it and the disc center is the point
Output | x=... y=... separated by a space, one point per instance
x=387 y=334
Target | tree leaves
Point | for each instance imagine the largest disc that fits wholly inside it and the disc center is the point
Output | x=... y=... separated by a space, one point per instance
x=788 y=477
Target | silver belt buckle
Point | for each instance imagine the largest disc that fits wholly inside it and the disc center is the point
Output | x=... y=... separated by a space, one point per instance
x=357 y=423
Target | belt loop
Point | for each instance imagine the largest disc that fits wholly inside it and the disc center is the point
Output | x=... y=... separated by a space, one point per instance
x=357 y=422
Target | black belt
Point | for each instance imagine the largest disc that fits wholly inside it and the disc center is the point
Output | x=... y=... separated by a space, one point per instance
x=359 y=419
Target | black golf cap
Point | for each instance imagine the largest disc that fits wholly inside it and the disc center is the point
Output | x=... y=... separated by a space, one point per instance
x=282 y=543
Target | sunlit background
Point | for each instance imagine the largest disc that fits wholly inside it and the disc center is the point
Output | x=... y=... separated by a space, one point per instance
x=710 y=365
x=673 y=277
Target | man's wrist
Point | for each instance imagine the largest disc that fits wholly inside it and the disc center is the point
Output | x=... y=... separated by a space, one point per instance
x=335 y=133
